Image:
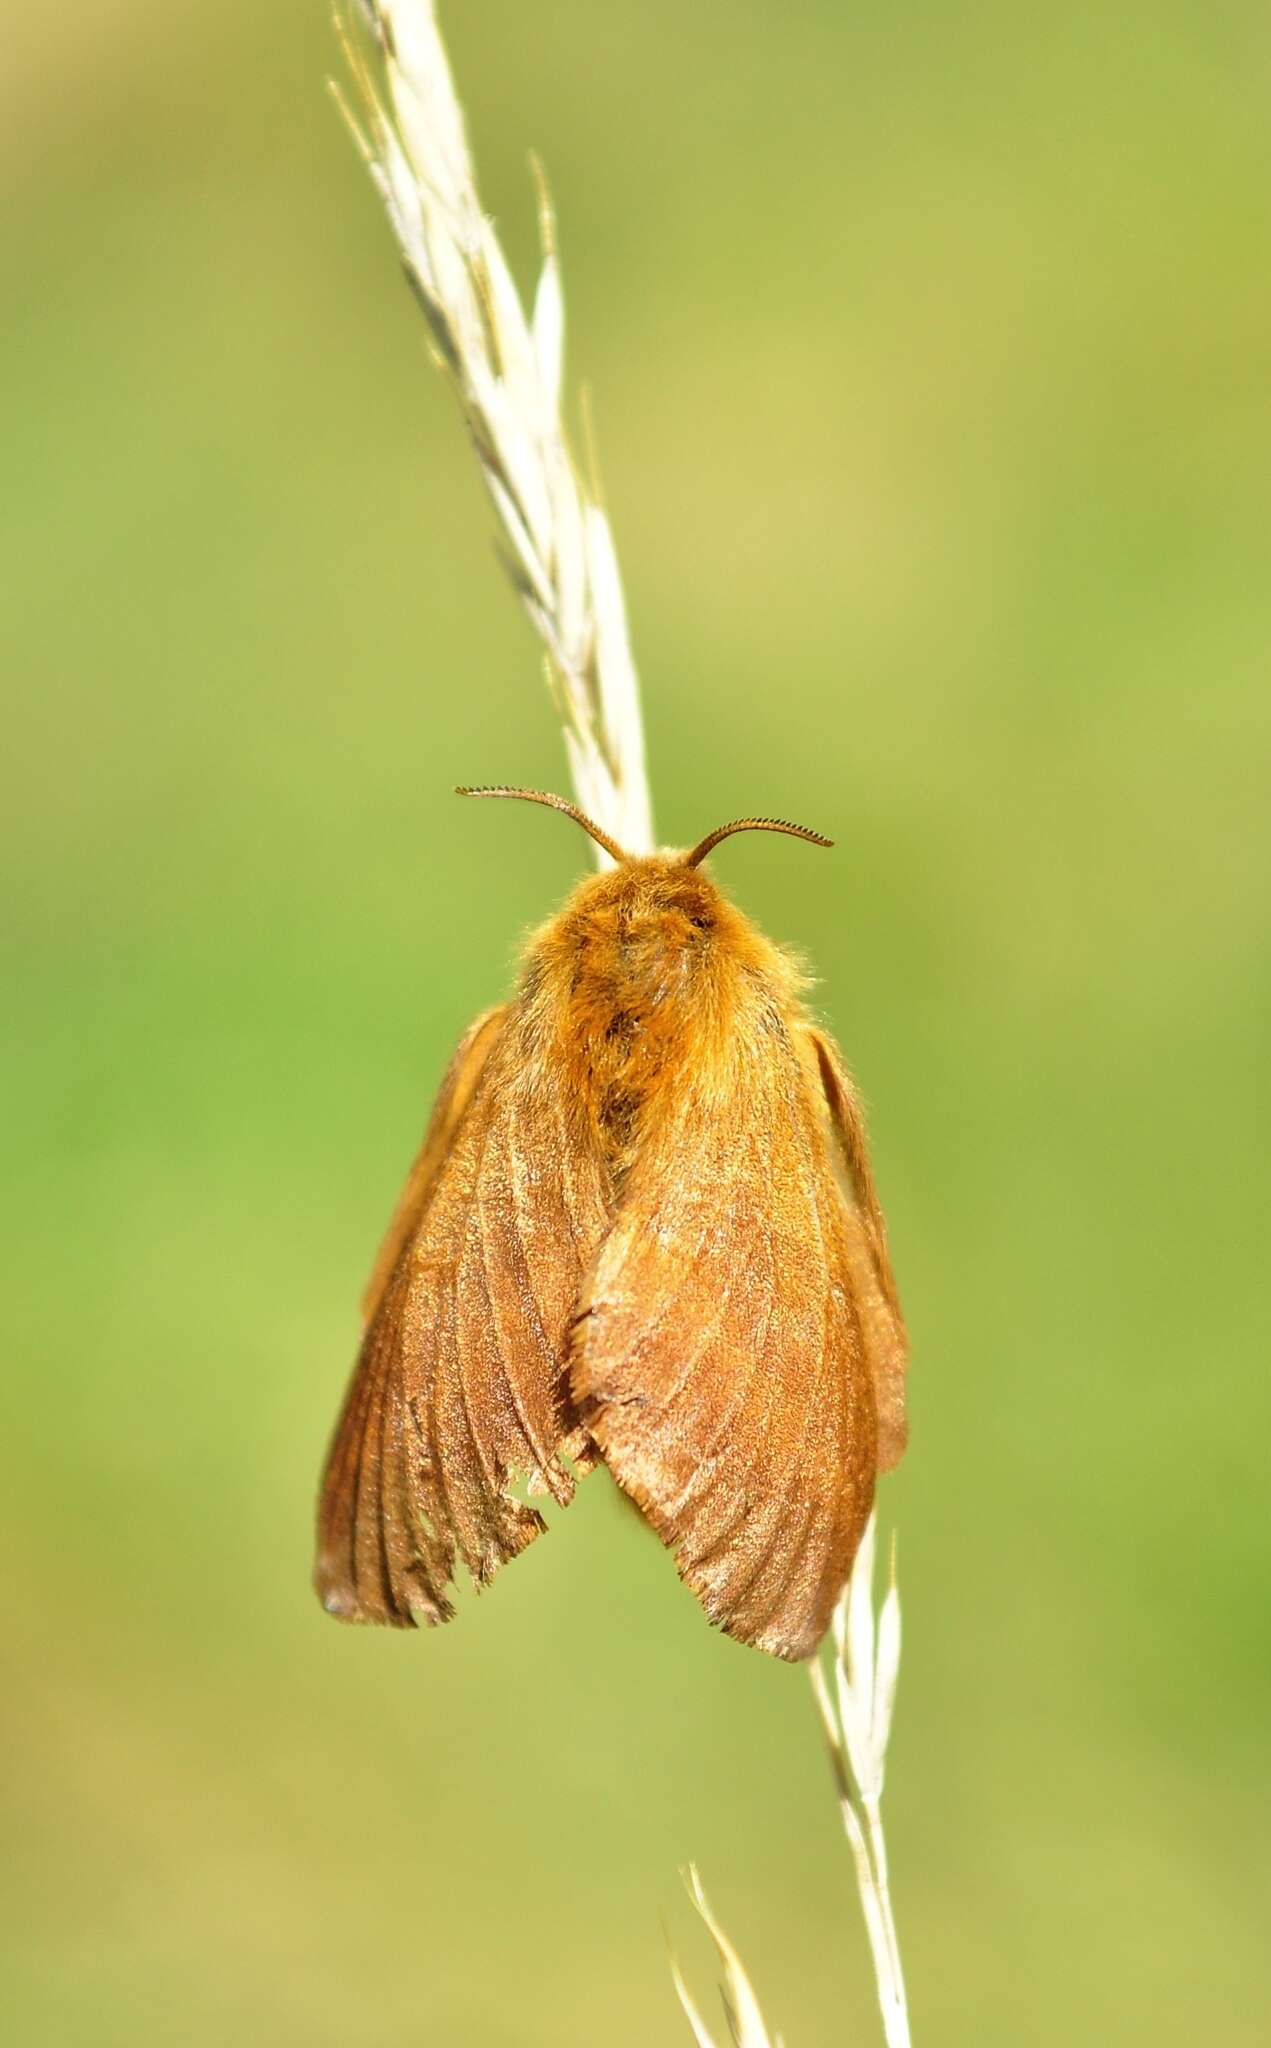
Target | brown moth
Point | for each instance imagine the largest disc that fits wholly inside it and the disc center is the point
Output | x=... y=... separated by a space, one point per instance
x=642 y=1228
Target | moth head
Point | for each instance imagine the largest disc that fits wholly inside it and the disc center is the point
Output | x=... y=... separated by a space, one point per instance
x=693 y=858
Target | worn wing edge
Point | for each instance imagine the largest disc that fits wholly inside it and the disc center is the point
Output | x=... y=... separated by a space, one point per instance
x=882 y=1322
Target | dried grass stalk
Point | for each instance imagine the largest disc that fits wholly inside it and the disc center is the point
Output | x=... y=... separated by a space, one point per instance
x=855 y=1699
x=855 y=1689
x=507 y=371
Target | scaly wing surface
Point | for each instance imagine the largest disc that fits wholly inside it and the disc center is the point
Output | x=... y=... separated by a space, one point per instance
x=719 y=1361
x=462 y=1381
x=453 y=1097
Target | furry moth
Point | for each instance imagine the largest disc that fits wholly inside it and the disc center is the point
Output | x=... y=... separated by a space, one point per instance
x=642 y=1229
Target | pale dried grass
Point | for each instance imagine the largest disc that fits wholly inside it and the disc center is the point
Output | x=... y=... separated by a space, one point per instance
x=506 y=368
x=507 y=371
x=854 y=1682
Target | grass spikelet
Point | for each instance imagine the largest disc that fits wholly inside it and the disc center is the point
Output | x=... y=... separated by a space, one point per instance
x=855 y=1689
x=507 y=371
x=854 y=1685
x=746 y=2025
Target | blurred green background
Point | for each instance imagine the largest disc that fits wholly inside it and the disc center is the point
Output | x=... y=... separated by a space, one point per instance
x=931 y=350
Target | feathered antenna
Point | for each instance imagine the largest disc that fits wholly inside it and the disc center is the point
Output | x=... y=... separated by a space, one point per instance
x=712 y=839
x=554 y=803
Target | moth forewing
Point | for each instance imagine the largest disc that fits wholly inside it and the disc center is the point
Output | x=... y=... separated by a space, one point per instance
x=453 y=1096
x=718 y=1361
x=460 y=1384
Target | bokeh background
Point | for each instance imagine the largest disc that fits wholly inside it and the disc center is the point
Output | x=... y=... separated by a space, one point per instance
x=931 y=352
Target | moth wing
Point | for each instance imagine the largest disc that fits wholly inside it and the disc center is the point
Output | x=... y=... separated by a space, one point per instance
x=453 y=1096
x=461 y=1381
x=873 y=1282
x=718 y=1356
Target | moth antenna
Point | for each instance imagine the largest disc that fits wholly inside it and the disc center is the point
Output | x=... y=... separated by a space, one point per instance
x=556 y=803
x=712 y=839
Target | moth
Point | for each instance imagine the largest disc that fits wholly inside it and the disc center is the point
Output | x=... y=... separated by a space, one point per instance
x=642 y=1229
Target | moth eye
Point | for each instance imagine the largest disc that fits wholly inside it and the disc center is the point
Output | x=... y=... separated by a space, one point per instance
x=703 y=924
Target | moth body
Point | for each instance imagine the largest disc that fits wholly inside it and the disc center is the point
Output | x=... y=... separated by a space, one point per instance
x=642 y=1229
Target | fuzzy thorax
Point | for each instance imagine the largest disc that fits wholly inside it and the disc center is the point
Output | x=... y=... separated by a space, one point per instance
x=645 y=978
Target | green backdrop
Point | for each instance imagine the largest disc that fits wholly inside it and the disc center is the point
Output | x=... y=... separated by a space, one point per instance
x=931 y=352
